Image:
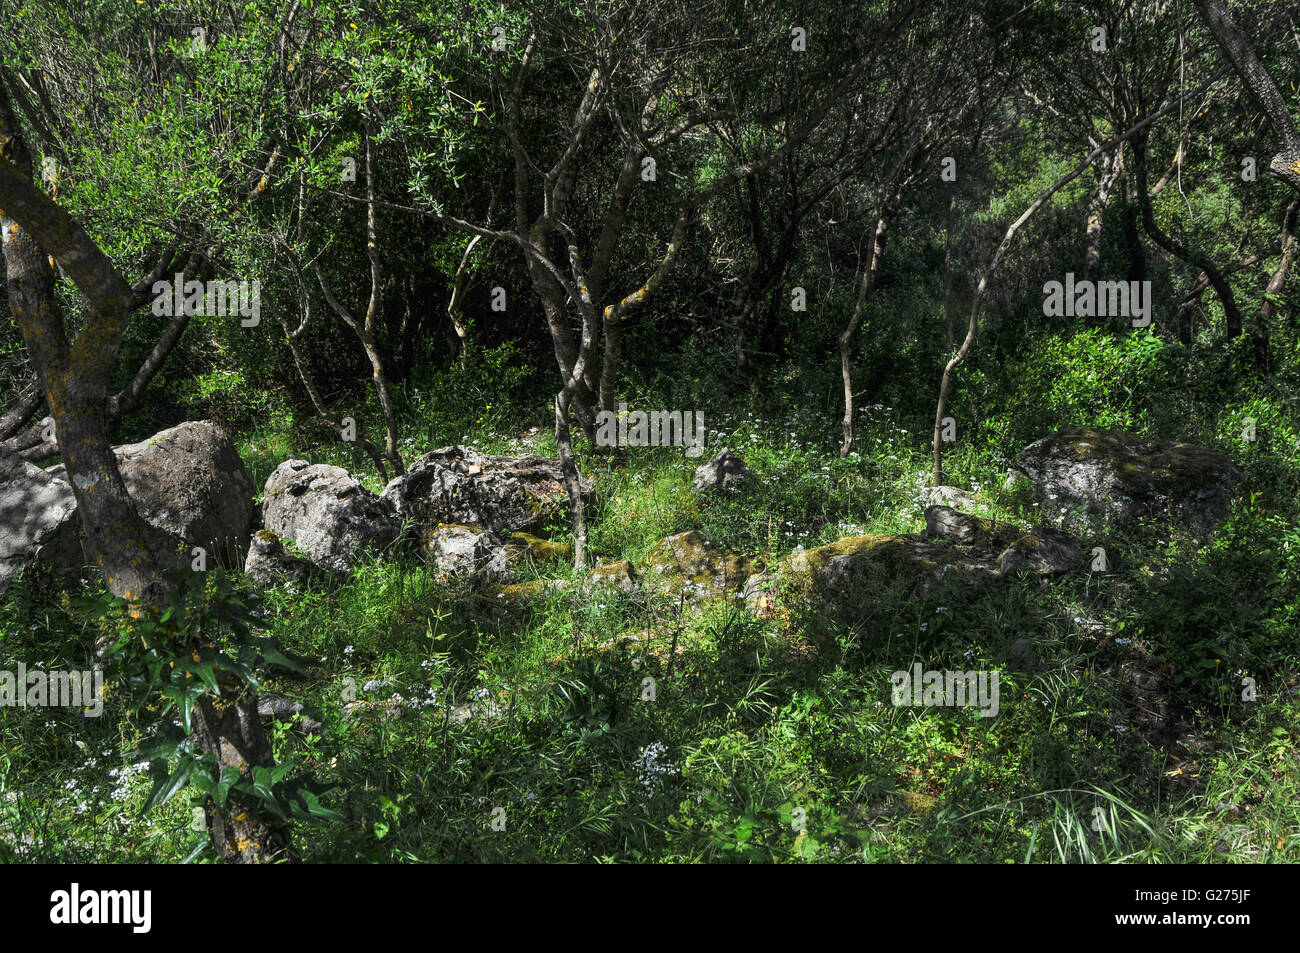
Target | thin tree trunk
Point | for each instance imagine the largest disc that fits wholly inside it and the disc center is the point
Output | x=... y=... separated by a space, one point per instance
x=1275 y=286
x=364 y=330
x=865 y=288
x=949 y=312
x=1232 y=314
x=457 y=295
x=24 y=409
x=367 y=332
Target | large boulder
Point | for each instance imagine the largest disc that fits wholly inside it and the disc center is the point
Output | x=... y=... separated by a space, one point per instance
x=461 y=485
x=1085 y=477
x=38 y=519
x=525 y=549
x=330 y=517
x=188 y=481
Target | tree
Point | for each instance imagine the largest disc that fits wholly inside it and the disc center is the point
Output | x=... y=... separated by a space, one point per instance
x=1285 y=164
x=134 y=557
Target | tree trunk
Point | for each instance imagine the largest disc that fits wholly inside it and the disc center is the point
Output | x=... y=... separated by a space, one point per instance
x=867 y=285
x=611 y=364
x=1260 y=335
x=1232 y=314
x=572 y=481
x=949 y=312
x=1096 y=212
x=228 y=726
x=1285 y=165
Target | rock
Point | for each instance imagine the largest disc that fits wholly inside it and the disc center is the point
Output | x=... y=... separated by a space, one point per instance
x=271 y=705
x=1043 y=551
x=944 y=522
x=956 y=547
x=461 y=485
x=38 y=520
x=842 y=567
x=522 y=548
x=1010 y=548
x=619 y=575
x=726 y=471
x=331 y=518
x=1085 y=476
x=1013 y=480
x=269 y=563
x=950 y=496
x=482 y=707
x=188 y=481
x=690 y=563
x=468 y=552
x=502 y=601
x=1021 y=653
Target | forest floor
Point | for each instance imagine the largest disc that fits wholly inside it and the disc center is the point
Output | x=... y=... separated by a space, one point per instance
x=614 y=728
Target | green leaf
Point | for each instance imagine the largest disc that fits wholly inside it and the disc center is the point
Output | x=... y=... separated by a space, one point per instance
x=166 y=788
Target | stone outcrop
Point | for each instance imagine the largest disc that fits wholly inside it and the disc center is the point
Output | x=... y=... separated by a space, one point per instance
x=461 y=485
x=1086 y=477
x=330 y=517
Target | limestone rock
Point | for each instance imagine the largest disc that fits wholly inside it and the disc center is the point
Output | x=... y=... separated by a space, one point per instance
x=1085 y=476
x=269 y=563
x=462 y=485
x=38 y=520
x=726 y=471
x=459 y=551
x=692 y=564
x=329 y=515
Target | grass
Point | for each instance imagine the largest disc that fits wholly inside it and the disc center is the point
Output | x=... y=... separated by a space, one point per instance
x=606 y=729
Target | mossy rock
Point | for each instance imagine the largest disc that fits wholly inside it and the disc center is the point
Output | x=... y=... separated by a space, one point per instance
x=510 y=601
x=1088 y=478
x=429 y=535
x=521 y=547
x=619 y=575
x=982 y=535
x=690 y=563
x=840 y=568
